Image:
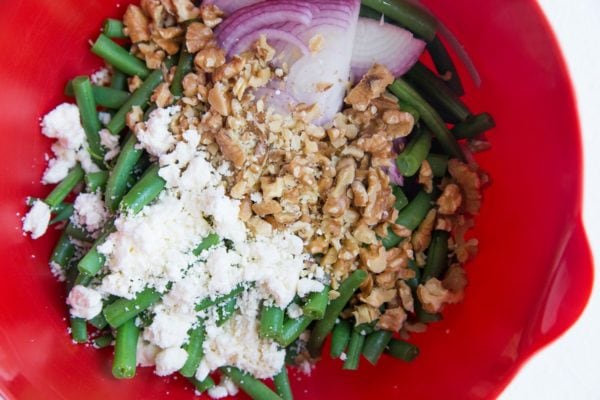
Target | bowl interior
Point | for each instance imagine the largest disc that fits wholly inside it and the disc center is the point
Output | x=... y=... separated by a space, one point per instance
x=529 y=283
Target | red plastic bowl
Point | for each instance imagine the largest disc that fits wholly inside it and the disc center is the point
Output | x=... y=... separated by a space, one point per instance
x=529 y=283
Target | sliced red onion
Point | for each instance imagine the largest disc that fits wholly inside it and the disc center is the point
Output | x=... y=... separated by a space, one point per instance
x=395 y=176
x=281 y=101
x=386 y=44
x=271 y=35
x=229 y=6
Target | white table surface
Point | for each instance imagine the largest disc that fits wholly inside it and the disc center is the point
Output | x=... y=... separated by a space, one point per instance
x=570 y=368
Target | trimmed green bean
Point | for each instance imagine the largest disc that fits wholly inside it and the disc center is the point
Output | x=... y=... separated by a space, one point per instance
x=63 y=251
x=410 y=217
x=210 y=241
x=65 y=187
x=316 y=304
x=79 y=233
x=430 y=117
x=184 y=66
x=119 y=81
x=355 y=346
x=271 y=322
x=474 y=126
x=340 y=337
x=438 y=164
x=63 y=213
x=116 y=185
x=99 y=321
x=120 y=58
x=411 y=158
x=249 y=384
x=89 y=118
x=292 y=329
x=103 y=341
x=91 y=263
x=401 y=199
x=143 y=192
x=433 y=89
x=208 y=302
x=123 y=310
x=437 y=256
x=194 y=350
x=413 y=283
x=139 y=98
x=225 y=310
x=444 y=65
x=204 y=385
x=83 y=279
x=95 y=181
x=113 y=28
x=108 y=97
x=324 y=326
x=407 y=14
x=402 y=350
x=375 y=344
x=79 y=330
x=282 y=385
x=124 y=362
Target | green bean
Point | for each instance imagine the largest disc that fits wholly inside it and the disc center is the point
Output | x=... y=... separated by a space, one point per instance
x=402 y=350
x=139 y=98
x=410 y=217
x=79 y=330
x=119 y=81
x=65 y=187
x=433 y=89
x=411 y=158
x=116 y=186
x=113 y=28
x=375 y=344
x=407 y=14
x=123 y=310
x=104 y=96
x=83 y=279
x=120 y=58
x=271 y=322
x=124 y=362
x=204 y=385
x=355 y=346
x=324 y=326
x=79 y=233
x=438 y=164
x=282 y=385
x=63 y=251
x=93 y=260
x=340 y=337
x=99 y=321
x=437 y=256
x=444 y=65
x=208 y=302
x=63 y=212
x=194 y=350
x=316 y=304
x=249 y=384
x=401 y=199
x=413 y=283
x=95 y=181
x=292 y=329
x=89 y=118
x=103 y=341
x=184 y=66
x=143 y=192
x=430 y=117
x=474 y=126
x=225 y=310
x=210 y=241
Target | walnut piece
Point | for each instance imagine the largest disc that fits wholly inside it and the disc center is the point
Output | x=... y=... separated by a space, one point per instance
x=211 y=15
x=230 y=149
x=432 y=295
x=392 y=319
x=136 y=24
x=371 y=86
x=198 y=36
x=450 y=200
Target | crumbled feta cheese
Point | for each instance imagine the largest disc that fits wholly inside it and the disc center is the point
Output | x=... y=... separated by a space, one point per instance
x=105 y=119
x=170 y=360
x=110 y=142
x=294 y=311
x=37 y=219
x=218 y=392
x=101 y=77
x=231 y=387
x=306 y=286
x=89 y=211
x=168 y=330
x=57 y=271
x=155 y=137
x=146 y=353
x=85 y=302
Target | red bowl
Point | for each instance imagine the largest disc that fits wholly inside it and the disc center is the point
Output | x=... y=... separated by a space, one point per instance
x=529 y=283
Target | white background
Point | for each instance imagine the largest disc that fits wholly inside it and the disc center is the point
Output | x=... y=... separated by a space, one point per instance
x=570 y=368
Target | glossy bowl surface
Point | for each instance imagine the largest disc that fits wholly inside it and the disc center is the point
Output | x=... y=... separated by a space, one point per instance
x=529 y=283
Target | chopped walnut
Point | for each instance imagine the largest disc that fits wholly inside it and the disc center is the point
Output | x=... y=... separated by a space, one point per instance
x=134 y=83
x=432 y=295
x=422 y=236
x=371 y=86
x=219 y=99
x=374 y=258
x=162 y=95
x=259 y=226
x=209 y=58
x=378 y=296
x=230 y=149
x=450 y=199
x=426 y=176
x=266 y=208
x=135 y=116
x=211 y=15
x=364 y=314
x=316 y=43
x=185 y=10
x=392 y=319
x=455 y=281
x=470 y=184
x=136 y=24
x=263 y=50
x=406 y=297
x=198 y=36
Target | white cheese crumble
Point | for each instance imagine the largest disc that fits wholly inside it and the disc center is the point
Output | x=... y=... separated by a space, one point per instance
x=89 y=211
x=170 y=360
x=37 y=219
x=64 y=125
x=57 y=271
x=101 y=77
x=225 y=388
x=104 y=118
x=85 y=302
x=155 y=137
x=146 y=353
x=111 y=143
